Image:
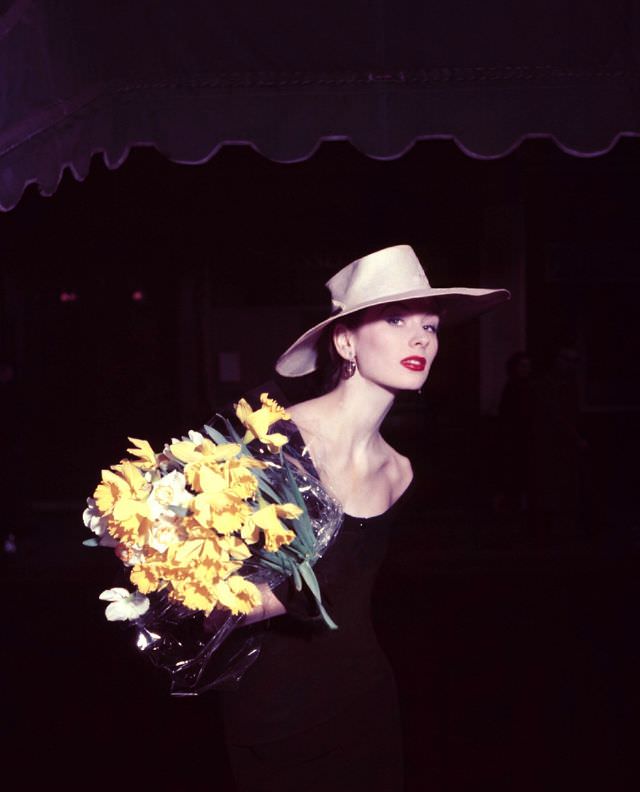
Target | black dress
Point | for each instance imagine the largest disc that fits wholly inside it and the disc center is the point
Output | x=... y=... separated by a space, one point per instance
x=319 y=710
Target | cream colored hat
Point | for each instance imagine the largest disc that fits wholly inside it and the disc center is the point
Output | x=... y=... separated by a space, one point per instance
x=389 y=275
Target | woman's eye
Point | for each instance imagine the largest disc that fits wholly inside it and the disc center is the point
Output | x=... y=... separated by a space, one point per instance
x=431 y=328
x=394 y=320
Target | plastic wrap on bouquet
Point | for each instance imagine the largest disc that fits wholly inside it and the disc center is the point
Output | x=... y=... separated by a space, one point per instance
x=198 y=653
x=203 y=652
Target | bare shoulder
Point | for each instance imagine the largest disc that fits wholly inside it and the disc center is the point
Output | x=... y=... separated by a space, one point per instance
x=297 y=411
x=306 y=415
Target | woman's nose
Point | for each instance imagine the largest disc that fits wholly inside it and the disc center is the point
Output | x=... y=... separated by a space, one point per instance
x=421 y=338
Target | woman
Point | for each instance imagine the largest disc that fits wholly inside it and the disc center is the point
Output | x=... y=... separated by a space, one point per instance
x=318 y=710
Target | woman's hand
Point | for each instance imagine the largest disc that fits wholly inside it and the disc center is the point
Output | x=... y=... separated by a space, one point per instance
x=268 y=608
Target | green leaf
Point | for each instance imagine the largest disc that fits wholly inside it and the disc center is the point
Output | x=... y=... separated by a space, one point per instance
x=309 y=577
x=232 y=432
x=297 y=580
x=264 y=485
x=215 y=435
x=274 y=560
x=294 y=551
x=292 y=492
x=271 y=565
x=327 y=619
x=311 y=580
x=305 y=532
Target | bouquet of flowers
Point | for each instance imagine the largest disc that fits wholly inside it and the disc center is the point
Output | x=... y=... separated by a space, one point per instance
x=202 y=526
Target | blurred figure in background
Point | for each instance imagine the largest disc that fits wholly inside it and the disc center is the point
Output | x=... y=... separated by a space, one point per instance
x=515 y=415
x=557 y=450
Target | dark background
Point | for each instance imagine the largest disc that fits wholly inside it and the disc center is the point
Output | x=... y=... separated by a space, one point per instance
x=516 y=653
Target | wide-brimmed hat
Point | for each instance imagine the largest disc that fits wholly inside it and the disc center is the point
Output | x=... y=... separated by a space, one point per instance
x=388 y=275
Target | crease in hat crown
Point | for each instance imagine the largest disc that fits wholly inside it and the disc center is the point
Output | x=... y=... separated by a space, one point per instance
x=380 y=275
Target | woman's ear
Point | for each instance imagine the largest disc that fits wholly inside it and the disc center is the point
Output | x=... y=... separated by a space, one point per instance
x=343 y=341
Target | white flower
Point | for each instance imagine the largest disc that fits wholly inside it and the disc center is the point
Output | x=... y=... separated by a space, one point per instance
x=164 y=532
x=196 y=438
x=97 y=522
x=168 y=491
x=125 y=605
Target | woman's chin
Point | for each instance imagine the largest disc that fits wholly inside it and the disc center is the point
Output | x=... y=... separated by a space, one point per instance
x=415 y=387
x=408 y=385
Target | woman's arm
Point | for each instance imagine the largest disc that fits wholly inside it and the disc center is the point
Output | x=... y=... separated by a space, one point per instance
x=300 y=605
x=268 y=608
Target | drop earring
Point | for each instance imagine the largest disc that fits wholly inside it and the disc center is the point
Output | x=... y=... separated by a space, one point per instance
x=348 y=368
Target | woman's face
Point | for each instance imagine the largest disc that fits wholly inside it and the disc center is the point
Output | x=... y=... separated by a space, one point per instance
x=395 y=344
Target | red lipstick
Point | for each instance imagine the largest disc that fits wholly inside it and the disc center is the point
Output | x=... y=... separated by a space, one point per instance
x=414 y=363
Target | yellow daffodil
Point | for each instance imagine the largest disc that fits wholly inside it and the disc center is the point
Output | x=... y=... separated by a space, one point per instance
x=209 y=572
x=204 y=558
x=257 y=422
x=221 y=512
x=233 y=471
x=193 y=551
x=195 y=596
x=237 y=594
x=201 y=449
x=146 y=577
x=218 y=505
x=250 y=532
x=236 y=548
x=146 y=455
x=109 y=491
x=190 y=569
x=208 y=478
x=138 y=484
x=275 y=532
x=199 y=452
x=241 y=480
x=231 y=520
x=131 y=521
x=122 y=495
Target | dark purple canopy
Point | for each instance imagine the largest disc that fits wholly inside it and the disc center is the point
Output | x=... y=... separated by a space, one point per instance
x=187 y=77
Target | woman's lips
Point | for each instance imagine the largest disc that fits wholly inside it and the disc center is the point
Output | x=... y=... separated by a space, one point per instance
x=414 y=363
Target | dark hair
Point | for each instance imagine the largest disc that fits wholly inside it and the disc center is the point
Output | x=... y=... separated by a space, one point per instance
x=329 y=362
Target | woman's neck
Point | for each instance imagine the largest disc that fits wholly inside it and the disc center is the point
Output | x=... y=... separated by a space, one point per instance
x=347 y=419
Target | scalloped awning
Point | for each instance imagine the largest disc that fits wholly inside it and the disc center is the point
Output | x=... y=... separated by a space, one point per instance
x=187 y=78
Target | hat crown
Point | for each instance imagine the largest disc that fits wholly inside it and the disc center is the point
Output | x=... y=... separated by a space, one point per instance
x=380 y=275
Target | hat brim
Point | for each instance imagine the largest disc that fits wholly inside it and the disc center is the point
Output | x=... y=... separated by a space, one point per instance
x=457 y=304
